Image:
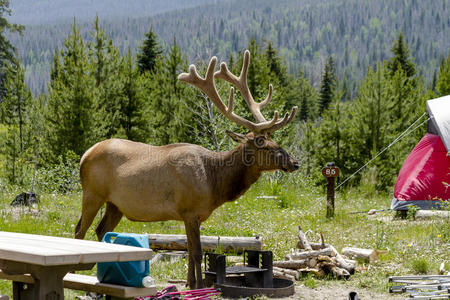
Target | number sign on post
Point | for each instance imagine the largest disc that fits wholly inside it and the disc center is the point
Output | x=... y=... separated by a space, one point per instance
x=330 y=172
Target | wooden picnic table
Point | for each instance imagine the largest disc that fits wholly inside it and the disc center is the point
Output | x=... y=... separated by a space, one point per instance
x=48 y=259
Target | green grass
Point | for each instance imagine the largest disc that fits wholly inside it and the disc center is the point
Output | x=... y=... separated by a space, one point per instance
x=420 y=265
x=413 y=246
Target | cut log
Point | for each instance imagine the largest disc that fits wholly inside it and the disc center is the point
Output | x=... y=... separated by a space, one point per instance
x=312 y=262
x=277 y=274
x=326 y=266
x=322 y=241
x=226 y=244
x=368 y=255
x=316 y=272
x=348 y=265
x=294 y=273
x=314 y=246
x=304 y=244
x=309 y=254
x=291 y=264
x=324 y=258
x=432 y=214
x=340 y=273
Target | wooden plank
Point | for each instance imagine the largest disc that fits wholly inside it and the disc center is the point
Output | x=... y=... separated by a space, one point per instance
x=28 y=254
x=225 y=243
x=25 y=278
x=91 y=284
x=60 y=243
x=47 y=250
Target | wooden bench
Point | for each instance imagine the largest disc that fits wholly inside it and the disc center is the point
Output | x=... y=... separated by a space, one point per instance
x=90 y=284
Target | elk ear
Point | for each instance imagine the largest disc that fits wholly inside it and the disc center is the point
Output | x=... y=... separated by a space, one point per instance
x=237 y=137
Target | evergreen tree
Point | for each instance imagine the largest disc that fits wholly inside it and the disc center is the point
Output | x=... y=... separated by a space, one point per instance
x=401 y=58
x=133 y=102
x=105 y=66
x=17 y=106
x=443 y=83
x=327 y=85
x=274 y=63
x=171 y=120
x=6 y=49
x=299 y=92
x=69 y=119
x=434 y=81
x=370 y=112
x=258 y=77
x=149 y=52
x=404 y=100
x=174 y=65
x=329 y=139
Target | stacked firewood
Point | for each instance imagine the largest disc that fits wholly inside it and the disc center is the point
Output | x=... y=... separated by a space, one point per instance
x=315 y=258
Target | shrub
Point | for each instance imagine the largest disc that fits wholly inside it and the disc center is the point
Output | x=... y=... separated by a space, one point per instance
x=420 y=266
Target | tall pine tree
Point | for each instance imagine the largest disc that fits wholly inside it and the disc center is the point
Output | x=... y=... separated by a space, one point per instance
x=171 y=120
x=275 y=65
x=105 y=66
x=6 y=49
x=70 y=100
x=401 y=58
x=327 y=85
x=443 y=83
x=133 y=102
x=16 y=108
x=149 y=52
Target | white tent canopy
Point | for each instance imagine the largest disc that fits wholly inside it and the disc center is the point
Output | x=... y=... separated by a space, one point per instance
x=439 y=111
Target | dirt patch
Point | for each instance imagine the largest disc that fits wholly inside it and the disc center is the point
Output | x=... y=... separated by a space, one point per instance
x=334 y=291
x=339 y=291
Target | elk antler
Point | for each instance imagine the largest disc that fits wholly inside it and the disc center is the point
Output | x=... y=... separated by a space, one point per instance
x=207 y=85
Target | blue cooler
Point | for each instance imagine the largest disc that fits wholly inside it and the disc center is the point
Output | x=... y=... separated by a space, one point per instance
x=129 y=273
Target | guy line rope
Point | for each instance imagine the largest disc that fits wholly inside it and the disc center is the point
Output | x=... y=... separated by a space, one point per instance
x=398 y=138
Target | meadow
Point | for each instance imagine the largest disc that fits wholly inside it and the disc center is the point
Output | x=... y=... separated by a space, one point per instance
x=414 y=246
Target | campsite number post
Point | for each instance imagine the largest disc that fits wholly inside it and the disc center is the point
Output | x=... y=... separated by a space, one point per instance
x=330 y=172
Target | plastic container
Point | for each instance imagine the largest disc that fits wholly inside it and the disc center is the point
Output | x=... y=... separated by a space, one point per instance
x=148 y=281
x=129 y=273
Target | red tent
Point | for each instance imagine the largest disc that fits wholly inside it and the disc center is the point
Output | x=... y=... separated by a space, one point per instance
x=424 y=179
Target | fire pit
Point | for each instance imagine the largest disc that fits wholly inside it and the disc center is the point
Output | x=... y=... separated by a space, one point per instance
x=255 y=277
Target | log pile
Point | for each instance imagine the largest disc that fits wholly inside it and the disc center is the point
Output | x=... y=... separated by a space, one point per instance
x=319 y=259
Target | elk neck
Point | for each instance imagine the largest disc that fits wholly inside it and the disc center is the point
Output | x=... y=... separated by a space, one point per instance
x=232 y=174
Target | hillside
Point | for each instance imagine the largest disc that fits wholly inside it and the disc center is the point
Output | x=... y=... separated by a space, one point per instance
x=29 y=12
x=357 y=33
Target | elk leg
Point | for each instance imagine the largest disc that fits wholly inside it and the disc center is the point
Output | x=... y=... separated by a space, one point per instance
x=109 y=221
x=195 y=251
x=89 y=208
x=191 y=266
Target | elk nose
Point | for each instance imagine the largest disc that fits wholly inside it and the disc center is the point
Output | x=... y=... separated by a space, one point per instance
x=296 y=165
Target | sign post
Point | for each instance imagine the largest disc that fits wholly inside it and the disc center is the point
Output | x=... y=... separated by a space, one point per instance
x=330 y=172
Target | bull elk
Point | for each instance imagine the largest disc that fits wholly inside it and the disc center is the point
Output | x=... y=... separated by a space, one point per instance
x=182 y=182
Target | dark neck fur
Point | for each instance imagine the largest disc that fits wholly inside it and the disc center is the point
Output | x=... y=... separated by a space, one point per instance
x=232 y=176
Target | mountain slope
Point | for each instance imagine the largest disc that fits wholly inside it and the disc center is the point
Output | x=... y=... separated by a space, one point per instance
x=357 y=33
x=34 y=12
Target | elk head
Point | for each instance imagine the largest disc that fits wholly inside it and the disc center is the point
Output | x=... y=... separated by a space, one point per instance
x=258 y=149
